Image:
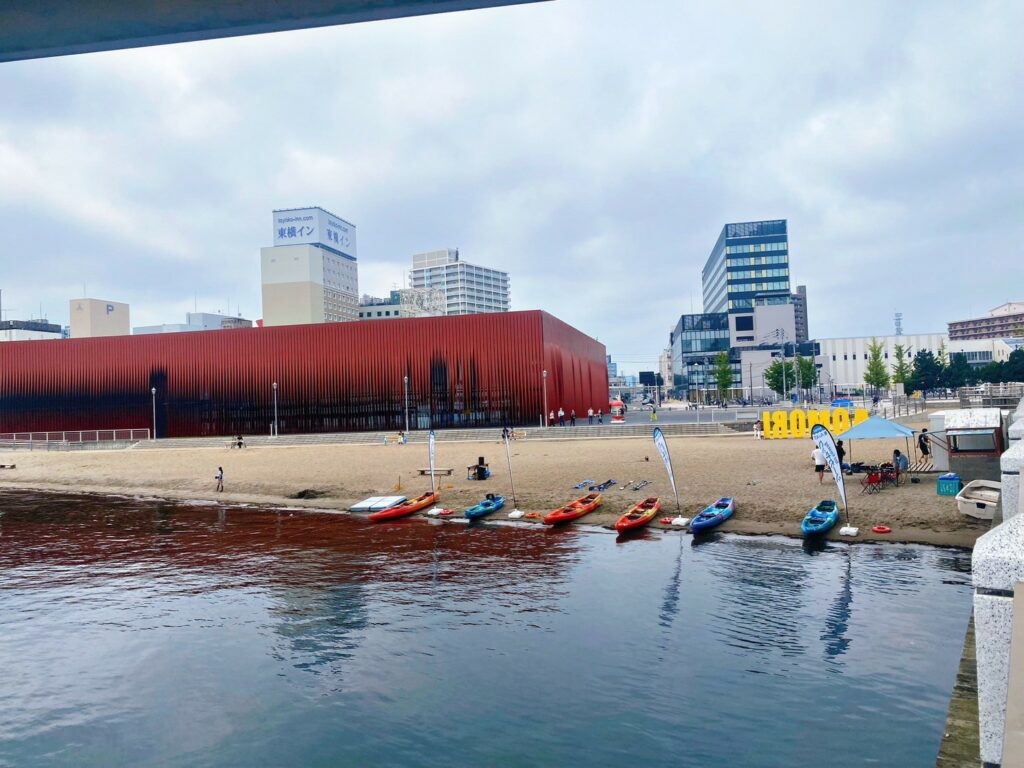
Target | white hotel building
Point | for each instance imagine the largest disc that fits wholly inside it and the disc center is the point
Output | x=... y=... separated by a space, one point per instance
x=469 y=289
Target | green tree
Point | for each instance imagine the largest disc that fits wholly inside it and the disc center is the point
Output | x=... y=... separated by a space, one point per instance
x=1013 y=369
x=959 y=373
x=943 y=357
x=876 y=374
x=773 y=376
x=992 y=373
x=808 y=372
x=901 y=368
x=926 y=373
x=722 y=373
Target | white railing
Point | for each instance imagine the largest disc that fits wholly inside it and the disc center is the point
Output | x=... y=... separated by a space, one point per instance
x=76 y=436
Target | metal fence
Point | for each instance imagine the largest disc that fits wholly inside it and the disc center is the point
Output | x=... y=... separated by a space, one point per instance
x=76 y=436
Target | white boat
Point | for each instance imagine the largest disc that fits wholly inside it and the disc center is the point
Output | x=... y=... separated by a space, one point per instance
x=979 y=499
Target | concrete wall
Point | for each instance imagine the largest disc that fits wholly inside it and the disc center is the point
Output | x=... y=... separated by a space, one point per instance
x=998 y=571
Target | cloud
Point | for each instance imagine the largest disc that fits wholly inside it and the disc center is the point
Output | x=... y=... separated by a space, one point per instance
x=591 y=150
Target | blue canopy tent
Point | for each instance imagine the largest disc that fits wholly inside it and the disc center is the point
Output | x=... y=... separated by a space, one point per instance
x=877 y=428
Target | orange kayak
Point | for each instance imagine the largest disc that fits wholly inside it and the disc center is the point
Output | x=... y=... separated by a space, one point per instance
x=573 y=510
x=639 y=515
x=406 y=507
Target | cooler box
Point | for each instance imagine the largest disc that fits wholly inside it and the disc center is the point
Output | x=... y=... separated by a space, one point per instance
x=949 y=484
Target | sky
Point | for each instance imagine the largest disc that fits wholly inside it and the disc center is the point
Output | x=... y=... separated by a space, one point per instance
x=591 y=148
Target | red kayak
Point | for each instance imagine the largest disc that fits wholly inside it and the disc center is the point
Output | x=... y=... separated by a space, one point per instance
x=639 y=515
x=406 y=507
x=573 y=510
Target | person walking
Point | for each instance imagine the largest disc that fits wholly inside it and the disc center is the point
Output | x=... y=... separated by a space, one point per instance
x=590 y=416
x=599 y=419
x=561 y=417
x=219 y=477
x=572 y=418
x=819 y=463
x=924 y=443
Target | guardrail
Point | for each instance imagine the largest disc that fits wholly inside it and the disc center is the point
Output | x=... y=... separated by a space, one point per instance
x=76 y=436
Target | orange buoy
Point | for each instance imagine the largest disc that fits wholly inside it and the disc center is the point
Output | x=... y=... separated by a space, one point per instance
x=881 y=529
x=666 y=521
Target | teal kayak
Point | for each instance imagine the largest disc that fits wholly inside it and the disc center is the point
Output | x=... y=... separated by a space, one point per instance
x=820 y=519
x=485 y=507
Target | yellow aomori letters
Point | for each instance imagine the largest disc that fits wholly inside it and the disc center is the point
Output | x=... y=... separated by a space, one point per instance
x=798 y=423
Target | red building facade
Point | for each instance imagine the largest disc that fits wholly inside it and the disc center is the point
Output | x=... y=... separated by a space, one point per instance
x=471 y=370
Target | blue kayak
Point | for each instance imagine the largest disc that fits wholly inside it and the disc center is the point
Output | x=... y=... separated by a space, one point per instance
x=820 y=519
x=713 y=515
x=485 y=507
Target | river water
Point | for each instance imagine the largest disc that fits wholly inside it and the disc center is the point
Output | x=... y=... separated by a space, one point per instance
x=149 y=633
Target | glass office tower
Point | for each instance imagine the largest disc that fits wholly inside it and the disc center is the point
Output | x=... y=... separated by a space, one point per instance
x=748 y=266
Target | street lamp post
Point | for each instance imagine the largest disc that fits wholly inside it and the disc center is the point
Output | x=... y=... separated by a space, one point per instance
x=152 y=392
x=544 y=416
x=406 y=382
x=275 y=410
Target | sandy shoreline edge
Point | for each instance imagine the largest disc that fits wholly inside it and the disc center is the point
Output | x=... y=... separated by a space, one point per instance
x=773 y=481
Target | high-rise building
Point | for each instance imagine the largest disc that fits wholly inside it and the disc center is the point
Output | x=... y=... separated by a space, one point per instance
x=469 y=289
x=749 y=312
x=799 y=301
x=1006 y=320
x=749 y=265
x=98 y=317
x=310 y=274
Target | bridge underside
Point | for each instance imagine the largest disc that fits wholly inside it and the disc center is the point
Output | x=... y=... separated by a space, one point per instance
x=31 y=29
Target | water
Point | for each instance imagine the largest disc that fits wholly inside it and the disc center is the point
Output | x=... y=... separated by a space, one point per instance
x=148 y=633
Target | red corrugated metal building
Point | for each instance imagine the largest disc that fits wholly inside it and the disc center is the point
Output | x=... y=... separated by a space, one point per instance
x=470 y=370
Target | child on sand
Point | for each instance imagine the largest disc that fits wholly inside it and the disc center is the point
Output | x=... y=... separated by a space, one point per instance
x=219 y=477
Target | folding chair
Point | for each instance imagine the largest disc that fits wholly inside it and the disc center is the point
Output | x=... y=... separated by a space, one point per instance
x=872 y=482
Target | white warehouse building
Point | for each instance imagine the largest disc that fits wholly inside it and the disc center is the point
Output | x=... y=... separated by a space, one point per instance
x=846 y=359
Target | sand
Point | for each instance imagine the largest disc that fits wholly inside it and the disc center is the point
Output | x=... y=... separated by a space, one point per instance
x=773 y=481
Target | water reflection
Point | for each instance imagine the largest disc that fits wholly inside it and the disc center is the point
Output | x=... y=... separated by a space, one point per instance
x=837 y=620
x=139 y=632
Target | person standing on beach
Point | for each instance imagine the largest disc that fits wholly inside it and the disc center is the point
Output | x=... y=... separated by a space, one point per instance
x=757 y=429
x=599 y=420
x=841 y=453
x=819 y=463
x=590 y=416
x=572 y=418
x=551 y=419
x=924 y=444
x=219 y=477
x=561 y=417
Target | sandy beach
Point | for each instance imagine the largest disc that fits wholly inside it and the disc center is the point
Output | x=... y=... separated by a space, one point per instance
x=774 y=482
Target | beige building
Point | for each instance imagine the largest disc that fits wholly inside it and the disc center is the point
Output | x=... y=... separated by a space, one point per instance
x=1003 y=321
x=98 y=317
x=310 y=274
x=307 y=284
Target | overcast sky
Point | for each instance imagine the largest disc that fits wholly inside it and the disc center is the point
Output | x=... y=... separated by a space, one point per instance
x=593 y=149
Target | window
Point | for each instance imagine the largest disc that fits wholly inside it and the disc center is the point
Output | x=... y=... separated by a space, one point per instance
x=745 y=323
x=845 y=357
